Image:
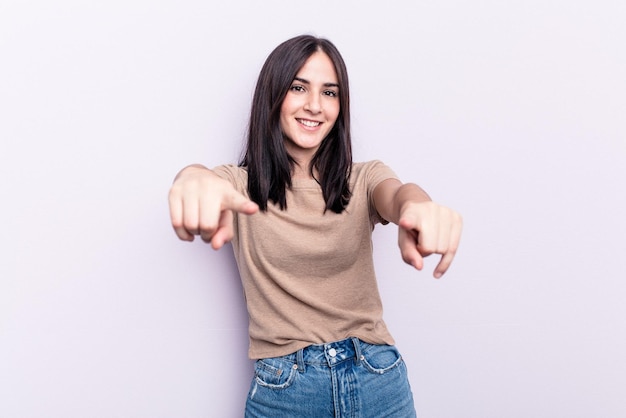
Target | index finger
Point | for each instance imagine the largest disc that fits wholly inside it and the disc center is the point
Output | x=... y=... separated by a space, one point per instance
x=444 y=264
x=448 y=256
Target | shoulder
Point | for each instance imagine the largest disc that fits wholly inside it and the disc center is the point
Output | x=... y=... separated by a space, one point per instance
x=371 y=173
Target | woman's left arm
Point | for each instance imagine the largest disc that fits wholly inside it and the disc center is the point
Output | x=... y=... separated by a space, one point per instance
x=424 y=227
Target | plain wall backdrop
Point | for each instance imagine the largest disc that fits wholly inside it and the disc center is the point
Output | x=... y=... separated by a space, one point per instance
x=511 y=112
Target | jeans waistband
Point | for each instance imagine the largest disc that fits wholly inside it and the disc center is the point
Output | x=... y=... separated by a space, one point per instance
x=328 y=354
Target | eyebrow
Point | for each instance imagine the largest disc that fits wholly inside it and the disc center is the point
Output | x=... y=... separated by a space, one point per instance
x=304 y=81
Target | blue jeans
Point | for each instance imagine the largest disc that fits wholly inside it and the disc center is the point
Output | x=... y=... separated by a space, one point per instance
x=348 y=378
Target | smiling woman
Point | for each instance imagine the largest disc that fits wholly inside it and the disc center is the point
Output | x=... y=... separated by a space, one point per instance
x=292 y=80
x=309 y=110
x=300 y=215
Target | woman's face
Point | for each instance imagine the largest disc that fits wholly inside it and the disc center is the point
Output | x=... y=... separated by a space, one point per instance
x=310 y=108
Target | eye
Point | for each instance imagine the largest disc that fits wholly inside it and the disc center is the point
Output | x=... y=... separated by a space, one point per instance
x=330 y=93
x=297 y=88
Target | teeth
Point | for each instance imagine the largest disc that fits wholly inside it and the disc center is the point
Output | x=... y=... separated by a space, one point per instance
x=309 y=123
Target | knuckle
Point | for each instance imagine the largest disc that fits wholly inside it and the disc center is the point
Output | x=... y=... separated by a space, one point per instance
x=206 y=238
x=427 y=247
x=207 y=226
x=191 y=227
x=177 y=223
x=174 y=189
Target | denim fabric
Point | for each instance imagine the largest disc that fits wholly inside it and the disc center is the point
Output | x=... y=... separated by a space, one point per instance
x=348 y=378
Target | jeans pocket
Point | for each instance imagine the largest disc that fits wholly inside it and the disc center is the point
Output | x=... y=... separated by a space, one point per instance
x=274 y=373
x=380 y=359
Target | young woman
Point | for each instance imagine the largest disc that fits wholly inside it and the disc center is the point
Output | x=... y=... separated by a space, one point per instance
x=300 y=215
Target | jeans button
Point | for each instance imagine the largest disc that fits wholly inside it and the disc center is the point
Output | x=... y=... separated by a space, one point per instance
x=332 y=352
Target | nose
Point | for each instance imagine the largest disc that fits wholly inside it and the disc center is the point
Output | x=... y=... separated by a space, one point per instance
x=313 y=104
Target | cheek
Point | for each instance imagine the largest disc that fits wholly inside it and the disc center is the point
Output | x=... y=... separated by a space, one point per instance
x=284 y=127
x=333 y=107
x=284 y=116
x=290 y=104
x=334 y=113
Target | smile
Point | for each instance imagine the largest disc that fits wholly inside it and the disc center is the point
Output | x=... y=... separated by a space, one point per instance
x=309 y=123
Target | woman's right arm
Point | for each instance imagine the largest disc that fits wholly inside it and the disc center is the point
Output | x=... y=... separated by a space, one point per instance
x=201 y=203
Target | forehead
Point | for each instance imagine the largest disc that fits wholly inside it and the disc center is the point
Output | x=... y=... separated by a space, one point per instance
x=318 y=67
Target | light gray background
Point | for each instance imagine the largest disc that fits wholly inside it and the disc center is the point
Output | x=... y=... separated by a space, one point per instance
x=512 y=112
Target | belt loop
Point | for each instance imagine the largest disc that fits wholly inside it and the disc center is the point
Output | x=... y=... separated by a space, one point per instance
x=300 y=360
x=357 y=350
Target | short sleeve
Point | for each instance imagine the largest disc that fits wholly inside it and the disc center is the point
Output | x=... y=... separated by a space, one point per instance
x=375 y=173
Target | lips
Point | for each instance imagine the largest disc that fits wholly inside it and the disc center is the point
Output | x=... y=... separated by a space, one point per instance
x=309 y=123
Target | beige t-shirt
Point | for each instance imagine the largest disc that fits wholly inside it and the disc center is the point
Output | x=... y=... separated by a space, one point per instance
x=308 y=276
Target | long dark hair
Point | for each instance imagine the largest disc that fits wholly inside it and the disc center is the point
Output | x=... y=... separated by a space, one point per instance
x=266 y=159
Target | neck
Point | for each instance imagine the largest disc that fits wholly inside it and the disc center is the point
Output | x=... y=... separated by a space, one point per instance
x=302 y=171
